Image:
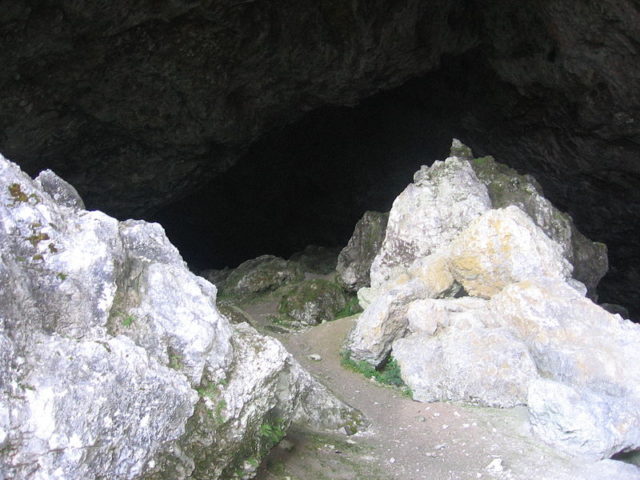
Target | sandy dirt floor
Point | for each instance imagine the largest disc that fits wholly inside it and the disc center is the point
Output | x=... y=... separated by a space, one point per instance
x=406 y=439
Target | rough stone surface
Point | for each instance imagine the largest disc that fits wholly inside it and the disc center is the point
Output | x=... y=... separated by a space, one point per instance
x=501 y=247
x=261 y=275
x=506 y=187
x=216 y=276
x=354 y=261
x=62 y=192
x=102 y=317
x=478 y=366
x=429 y=213
x=428 y=315
x=580 y=421
x=382 y=322
x=313 y=301
x=317 y=259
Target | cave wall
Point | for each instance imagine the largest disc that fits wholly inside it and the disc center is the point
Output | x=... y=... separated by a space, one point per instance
x=105 y=92
x=150 y=106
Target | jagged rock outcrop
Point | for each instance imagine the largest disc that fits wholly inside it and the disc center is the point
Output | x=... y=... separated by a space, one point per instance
x=317 y=259
x=521 y=331
x=115 y=362
x=260 y=275
x=313 y=301
x=506 y=187
x=354 y=261
x=446 y=197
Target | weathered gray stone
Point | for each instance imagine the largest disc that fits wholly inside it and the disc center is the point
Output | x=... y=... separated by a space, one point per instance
x=592 y=353
x=261 y=275
x=316 y=259
x=428 y=315
x=502 y=247
x=60 y=191
x=506 y=187
x=105 y=338
x=313 y=301
x=382 y=323
x=216 y=276
x=474 y=365
x=429 y=213
x=582 y=422
x=354 y=261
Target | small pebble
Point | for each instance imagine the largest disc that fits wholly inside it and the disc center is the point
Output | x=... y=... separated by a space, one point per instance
x=392 y=460
x=495 y=466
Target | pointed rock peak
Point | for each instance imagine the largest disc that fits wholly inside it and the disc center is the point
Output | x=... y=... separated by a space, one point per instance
x=460 y=150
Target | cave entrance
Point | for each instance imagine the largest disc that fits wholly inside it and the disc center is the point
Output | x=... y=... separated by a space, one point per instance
x=308 y=183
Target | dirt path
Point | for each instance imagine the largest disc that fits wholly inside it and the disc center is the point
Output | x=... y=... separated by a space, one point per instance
x=408 y=440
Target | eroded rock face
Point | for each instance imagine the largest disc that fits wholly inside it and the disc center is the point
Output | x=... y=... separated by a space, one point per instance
x=501 y=247
x=354 y=261
x=448 y=197
x=430 y=212
x=313 y=301
x=102 y=328
x=261 y=274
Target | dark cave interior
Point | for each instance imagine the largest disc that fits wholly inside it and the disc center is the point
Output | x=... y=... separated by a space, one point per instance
x=309 y=182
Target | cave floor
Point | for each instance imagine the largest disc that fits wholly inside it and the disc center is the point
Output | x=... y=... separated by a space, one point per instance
x=406 y=439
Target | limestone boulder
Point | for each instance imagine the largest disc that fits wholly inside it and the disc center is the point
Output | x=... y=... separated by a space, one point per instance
x=478 y=366
x=382 y=323
x=114 y=360
x=354 y=261
x=313 y=301
x=261 y=275
x=588 y=403
x=581 y=421
x=507 y=187
x=502 y=247
x=445 y=198
x=429 y=213
x=317 y=259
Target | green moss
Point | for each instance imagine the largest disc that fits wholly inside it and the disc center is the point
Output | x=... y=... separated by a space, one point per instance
x=313 y=301
x=388 y=373
x=271 y=433
x=209 y=390
x=15 y=190
x=175 y=361
x=127 y=321
x=351 y=308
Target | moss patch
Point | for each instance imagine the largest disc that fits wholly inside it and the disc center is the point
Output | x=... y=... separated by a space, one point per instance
x=313 y=301
x=387 y=374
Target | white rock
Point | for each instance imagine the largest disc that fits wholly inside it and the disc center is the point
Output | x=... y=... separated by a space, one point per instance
x=430 y=212
x=105 y=336
x=501 y=247
x=383 y=322
x=583 y=422
x=480 y=366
